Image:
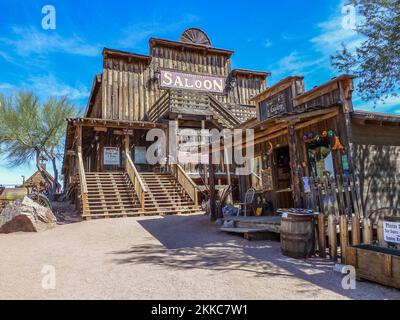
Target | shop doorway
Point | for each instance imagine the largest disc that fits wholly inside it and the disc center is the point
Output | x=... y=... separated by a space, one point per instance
x=283 y=178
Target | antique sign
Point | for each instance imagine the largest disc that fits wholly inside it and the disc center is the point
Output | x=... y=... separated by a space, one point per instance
x=273 y=106
x=111 y=157
x=267 y=180
x=391 y=231
x=180 y=80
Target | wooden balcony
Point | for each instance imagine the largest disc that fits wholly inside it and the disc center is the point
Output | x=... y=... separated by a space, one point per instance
x=197 y=105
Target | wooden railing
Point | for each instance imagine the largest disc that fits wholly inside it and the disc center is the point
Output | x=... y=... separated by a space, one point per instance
x=188 y=102
x=160 y=108
x=83 y=185
x=186 y=182
x=136 y=180
x=222 y=114
x=243 y=112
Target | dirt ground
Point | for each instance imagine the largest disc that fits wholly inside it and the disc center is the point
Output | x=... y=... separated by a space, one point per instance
x=176 y=257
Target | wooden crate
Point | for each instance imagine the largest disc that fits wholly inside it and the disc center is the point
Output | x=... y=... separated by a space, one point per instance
x=376 y=264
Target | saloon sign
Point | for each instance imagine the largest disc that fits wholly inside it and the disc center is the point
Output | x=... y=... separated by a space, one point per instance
x=180 y=80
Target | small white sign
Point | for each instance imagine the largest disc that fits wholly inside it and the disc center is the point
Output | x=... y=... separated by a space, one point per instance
x=111 y=157
x=391 y=231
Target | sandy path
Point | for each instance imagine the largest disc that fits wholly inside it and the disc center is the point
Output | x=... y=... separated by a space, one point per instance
x=163 y=258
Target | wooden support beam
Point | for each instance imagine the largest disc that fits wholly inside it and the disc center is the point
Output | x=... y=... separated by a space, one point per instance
x=332 y=235
x=295 y=167
x=344 y=236
x=355 y=230
x=367 y=231
x=321 y=235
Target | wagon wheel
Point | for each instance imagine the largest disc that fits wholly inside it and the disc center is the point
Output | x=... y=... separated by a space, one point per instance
x=195 y=36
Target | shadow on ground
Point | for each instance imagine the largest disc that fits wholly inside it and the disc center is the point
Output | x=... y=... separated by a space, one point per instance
x=192 y=242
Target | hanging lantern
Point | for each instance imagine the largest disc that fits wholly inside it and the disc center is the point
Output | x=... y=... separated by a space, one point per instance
x=331 y=133
x=338 y=145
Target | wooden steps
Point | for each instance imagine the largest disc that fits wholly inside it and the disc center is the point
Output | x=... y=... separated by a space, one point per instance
x=111 y=195
x=166 y=195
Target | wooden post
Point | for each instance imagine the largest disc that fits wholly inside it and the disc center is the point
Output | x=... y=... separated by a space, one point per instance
x=344 y=236
x=294 y=166
x=213 y=195
x=321 y=235
x=355 y=230
x=381 y=237
x=367 y=231
x=332 y=235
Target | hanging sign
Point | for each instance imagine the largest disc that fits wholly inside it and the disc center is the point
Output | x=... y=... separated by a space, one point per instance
x=111 y=157
x=391 y=231
x=180 y=80
x=267 y=180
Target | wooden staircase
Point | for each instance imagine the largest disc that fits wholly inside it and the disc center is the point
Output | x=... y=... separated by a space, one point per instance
x=111 y=194
x=165 y=195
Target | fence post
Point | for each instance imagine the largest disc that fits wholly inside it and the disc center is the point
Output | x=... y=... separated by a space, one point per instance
x=355 y=230
x=381 y=237
x=367 y=231
x=344 y=237
x=332 y=235
x=321 y=235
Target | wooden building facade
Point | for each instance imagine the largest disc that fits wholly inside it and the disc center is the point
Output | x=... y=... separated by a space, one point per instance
x=188 y=82
x=313 y=150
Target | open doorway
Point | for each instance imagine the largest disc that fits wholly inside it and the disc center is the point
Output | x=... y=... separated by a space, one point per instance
x=283 y=178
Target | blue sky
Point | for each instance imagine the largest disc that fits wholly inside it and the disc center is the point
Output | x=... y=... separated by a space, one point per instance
x=286 y=37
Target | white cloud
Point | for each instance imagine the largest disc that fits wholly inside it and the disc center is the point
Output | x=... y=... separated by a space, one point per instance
x=390 y=104
x=28 y=41
x=296 y=64
x=6 y=86
x=332 y=34
x=132 y=35
x=49 y=86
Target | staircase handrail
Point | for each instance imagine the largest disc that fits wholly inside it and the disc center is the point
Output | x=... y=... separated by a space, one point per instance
x=186 y=182
x=83 y=186
x=136 y=180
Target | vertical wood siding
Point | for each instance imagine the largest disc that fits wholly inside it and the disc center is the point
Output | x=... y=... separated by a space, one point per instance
x=129 y=88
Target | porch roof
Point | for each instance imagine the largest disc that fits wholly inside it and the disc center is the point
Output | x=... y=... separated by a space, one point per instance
x=103 y=123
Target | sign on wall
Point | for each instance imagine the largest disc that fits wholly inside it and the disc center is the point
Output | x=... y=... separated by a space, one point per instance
x=186 y=81
x=274 y=105
x=111 y=157
x=391 y=231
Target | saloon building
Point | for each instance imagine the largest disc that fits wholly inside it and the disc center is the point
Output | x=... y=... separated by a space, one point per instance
x=188 y=83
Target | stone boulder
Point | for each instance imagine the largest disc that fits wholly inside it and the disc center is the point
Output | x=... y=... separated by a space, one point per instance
x=26 y=216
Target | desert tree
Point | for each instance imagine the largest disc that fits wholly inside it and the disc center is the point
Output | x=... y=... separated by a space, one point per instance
x=376 y=60
x=30 y=131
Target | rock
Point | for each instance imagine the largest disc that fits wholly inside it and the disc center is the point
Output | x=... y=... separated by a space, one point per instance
x=26 y=216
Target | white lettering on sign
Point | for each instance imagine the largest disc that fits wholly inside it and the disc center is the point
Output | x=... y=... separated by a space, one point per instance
x=111 y=157
x=391 y=231
x=180 y=80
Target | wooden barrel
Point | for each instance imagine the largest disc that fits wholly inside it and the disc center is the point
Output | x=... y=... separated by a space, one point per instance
x=297 y=235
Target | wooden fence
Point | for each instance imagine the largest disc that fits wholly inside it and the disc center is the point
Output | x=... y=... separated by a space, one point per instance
x=337 y=195
x=342 y=221
x=334 y=234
